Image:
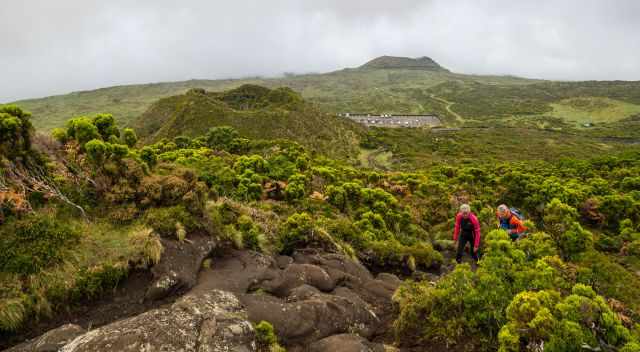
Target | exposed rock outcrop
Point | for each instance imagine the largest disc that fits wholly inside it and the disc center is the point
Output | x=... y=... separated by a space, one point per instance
x=178 y=269
x=212 y=322
x=308 y=296
x=315 y=302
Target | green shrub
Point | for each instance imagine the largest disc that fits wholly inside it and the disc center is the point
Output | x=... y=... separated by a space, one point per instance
x=251 y=234
x=31 y=244
x=82 y=130
x=90 y=283
x=393 y=254
x=559 y=217
x=164 y=220
x=149 y=156
x=97 y=151
x=631 y=347
x=608 y=243
x=575 y=241
x=296 y=188
x=634 y=248
x=129 y=137
x=60 y=135
x=296 y=232
x=436 y=313
x=106 y=125
x=530 y=319
x=221 y=137
x=249 y=186
x=253 y=163
x=266 y=338
x=337 y=196
x=119 y=151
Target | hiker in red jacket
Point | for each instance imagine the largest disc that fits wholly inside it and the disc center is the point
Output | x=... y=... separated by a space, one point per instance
x=467 y=229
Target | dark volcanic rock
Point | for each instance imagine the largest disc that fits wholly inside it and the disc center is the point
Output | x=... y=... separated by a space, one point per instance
x=319 y=315
x=178 y=269
x=281 y=282
x=213 y=322
x=345 y=343
x=51 y=341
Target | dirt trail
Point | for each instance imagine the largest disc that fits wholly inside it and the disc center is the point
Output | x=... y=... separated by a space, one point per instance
x=448 y=105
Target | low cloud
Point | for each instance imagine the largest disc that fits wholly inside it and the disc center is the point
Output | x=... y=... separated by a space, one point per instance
x=53 y=47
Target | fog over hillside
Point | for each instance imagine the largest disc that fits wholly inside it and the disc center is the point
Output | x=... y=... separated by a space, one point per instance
x=75 y=45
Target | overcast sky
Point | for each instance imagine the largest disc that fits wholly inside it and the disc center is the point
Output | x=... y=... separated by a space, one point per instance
x=54 y=47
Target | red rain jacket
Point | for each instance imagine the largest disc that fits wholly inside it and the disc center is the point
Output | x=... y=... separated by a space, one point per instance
x=476 y=228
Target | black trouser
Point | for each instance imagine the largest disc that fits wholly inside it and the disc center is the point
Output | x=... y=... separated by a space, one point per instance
x=462 y=241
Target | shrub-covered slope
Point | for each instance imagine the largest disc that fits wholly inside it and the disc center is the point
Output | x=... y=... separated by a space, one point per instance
x=102 y=205
x=255 y=112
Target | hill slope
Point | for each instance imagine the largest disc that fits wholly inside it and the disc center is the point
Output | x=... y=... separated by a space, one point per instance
x=254 y=111
x=384 y=85
x=391 y=62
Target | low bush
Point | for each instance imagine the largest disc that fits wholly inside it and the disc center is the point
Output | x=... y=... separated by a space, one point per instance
x=296 y=232
x=165 y=220
x=392 y=254
x=32 y=244
x=90 y=283
x=149 y=245
x=252 y=237
x=266 y=338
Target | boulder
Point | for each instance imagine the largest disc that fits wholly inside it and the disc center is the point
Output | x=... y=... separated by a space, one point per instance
x=178 y=268
x=283 y=261
x=212 y=322
x=345 y=343
x=316 y=316
x=235 y=272
x=281 y=282
x=337 y=262
x=51 y=341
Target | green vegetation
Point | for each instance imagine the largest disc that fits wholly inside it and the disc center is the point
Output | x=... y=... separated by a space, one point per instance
x=266 y=338
x=263 y=169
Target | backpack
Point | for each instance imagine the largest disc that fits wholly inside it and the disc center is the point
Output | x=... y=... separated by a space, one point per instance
x=517 y=213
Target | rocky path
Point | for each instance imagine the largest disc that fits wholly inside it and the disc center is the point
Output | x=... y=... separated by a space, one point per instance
x=316 y=302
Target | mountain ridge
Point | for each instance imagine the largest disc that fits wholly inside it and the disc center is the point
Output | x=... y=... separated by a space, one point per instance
x=402 y=62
